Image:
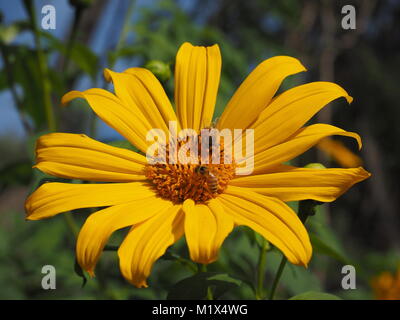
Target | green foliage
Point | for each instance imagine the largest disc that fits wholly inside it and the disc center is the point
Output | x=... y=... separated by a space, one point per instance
x=23 y=62
x=321 y=247
x=312 y=295
x=79 y=53
x=197 y=286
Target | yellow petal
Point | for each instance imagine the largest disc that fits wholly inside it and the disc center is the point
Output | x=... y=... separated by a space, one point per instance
x=225 y=222
x=206 y=227
x=340 y=153
x=113 y=111
x=294 y=184
x=197 y=74
x=54 y=198
x=76 y=156
x=100 y=225
x=291 y=110
x=298 y=143
x=271 y=218
x=256 y=91
x=139 y=89
x=146 y=242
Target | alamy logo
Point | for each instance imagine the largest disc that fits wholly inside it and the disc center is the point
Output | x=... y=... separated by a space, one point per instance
x=349 y=280
x=210 y=146
x=49 y=280
x=349 y=20
x=49 y=18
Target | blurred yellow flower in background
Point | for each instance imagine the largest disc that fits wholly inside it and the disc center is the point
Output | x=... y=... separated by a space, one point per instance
x=340 y=153
x=386 y=286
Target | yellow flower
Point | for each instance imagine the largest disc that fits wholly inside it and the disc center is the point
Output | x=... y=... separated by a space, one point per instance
x=340 y=153
x=164 y=202
x=387 y=286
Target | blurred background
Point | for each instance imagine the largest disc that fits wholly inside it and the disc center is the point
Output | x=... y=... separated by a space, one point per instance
x=38 y=66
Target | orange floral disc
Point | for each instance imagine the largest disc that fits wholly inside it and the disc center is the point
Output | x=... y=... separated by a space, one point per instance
x=178 y=182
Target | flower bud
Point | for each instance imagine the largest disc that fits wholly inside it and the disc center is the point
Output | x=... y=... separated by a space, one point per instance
x=315 y=165
x=160 y=69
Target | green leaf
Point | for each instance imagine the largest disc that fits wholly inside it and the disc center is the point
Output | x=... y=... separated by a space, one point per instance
x=169 y=255
x=23 y=62
x=124 y=52
x=16 y=173
x=314 y=295
x=82 y=55
x=324 y=237
x=256 y=238
x=195 y=287
x=323 y=247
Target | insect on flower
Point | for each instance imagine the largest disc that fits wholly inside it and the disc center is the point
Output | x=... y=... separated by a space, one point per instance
x=211 y=178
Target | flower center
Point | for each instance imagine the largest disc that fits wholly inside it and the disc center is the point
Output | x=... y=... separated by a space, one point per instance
x=199 y=182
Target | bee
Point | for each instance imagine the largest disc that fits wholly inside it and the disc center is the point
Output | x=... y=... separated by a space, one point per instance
x=212 y=179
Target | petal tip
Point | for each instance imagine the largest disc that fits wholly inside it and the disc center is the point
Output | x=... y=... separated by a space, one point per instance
x=349 y=99
x=364 y=174
x=69 y=96
x=107 y=74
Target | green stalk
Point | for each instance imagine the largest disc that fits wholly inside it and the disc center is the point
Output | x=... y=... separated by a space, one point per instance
x=203 y=268
x=277 y=277
x=70 y=221
x=72 y=38
x=261 y=271
x=125 y=27
x=306 y=209
x=209 y=294
x=46 y=86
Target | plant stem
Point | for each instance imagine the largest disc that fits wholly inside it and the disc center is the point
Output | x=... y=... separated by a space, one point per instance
x=306 y=209
x=70 y=221
x=277 y=277
x=185 y=262
x=125 y=26
x=261 y=271
x=46 y=86
x=203 y=268
x=72 y=38
x=209 y=294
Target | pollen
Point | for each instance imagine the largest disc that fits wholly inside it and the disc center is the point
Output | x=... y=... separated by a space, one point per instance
x=178 y=182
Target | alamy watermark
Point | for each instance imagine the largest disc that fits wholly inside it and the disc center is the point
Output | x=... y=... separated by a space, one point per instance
x=49 y=280
x=48 y=17
x=187 y=147
x=349 y=18
x=349 y=280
